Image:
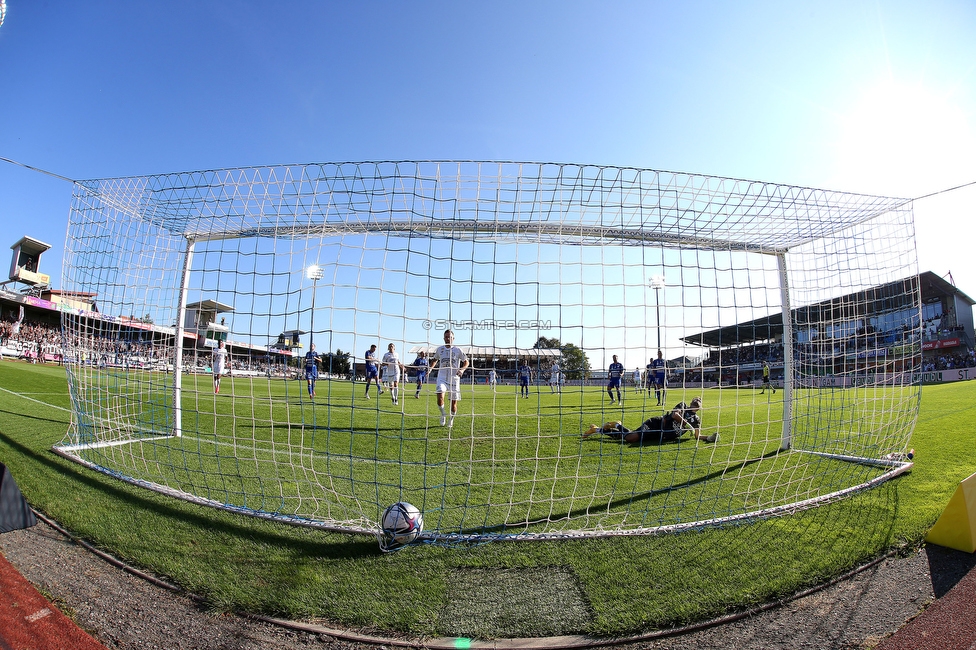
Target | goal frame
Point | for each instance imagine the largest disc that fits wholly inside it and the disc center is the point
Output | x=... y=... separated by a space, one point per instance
x=850 y=211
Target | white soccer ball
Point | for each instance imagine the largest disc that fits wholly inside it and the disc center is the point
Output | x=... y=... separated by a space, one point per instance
x=402 y=523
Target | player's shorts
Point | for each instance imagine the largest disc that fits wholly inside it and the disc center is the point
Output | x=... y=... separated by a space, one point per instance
x=614 y=383
x=370 y=373
x=421 y=377
x=653 y=431
x=523 y=381
x=659 y=380
x=391 y=375
x=450 y=386
x=311 y=373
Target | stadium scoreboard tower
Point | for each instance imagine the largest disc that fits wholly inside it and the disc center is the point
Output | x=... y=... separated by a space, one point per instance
x=201 y=319
x=290 y=340
x=25 y=263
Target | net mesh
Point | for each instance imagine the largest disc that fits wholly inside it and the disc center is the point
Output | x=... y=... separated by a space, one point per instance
x=542 y=270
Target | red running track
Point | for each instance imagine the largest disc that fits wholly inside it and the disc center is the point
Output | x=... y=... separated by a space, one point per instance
x=29 y=622
x=949 y=623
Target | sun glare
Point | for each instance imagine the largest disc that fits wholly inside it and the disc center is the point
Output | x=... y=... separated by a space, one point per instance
x=900 y=139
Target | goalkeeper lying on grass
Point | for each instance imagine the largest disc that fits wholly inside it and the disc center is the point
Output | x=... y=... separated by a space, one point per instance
x=670 y=426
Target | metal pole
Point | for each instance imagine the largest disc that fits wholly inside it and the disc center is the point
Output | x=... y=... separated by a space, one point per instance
x=178 y=357
x=657 y=283
x=657 y=301
x=788 y=370
x=313 y=273
x=311 y=327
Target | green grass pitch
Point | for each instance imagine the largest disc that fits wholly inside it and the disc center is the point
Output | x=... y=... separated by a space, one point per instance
x=608 y=586
x=508 y=465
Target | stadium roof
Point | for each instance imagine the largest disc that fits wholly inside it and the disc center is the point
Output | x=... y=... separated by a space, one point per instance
x=761 y=329
x=31 y=246
x=770 y=327
x=931 y=283
x=219 y=307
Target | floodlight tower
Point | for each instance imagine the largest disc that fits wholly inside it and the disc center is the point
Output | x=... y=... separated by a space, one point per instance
x=313 y=273
x=657 y=283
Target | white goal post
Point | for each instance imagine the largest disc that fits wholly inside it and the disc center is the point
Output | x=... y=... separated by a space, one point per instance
x=792 y=313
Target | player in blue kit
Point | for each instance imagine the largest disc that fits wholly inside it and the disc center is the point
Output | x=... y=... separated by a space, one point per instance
x=311 y=369
x=615 y=374
x=524 y=374
x=422 y=366
x=372 y=371
x=657 y=370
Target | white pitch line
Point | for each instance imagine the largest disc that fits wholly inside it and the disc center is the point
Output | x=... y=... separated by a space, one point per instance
x=36 y=401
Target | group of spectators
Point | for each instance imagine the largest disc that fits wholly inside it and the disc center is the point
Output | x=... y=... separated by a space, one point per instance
x=936 y=328
x=30 y=340
x=950 y=361
x=770 y=352
x=92 y=348
x=39 y=342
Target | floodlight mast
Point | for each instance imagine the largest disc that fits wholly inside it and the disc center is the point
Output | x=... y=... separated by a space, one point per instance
x=313 y=273
x=657 y=283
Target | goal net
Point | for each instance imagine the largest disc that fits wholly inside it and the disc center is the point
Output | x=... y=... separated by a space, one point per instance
x=792 y=313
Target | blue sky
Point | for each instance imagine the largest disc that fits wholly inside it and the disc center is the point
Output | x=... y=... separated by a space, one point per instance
x=871 y=97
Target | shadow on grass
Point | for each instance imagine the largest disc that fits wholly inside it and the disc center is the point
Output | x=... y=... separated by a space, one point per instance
x=66 y=422
x=643 y=496
x=166 y=507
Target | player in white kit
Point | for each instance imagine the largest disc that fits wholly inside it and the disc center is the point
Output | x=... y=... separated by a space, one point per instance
x=218 y=364
x=450 y=362
x=392 y=368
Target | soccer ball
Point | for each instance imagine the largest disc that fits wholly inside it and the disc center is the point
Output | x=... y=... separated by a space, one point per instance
x=402 y=523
